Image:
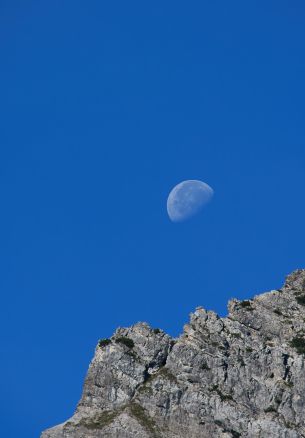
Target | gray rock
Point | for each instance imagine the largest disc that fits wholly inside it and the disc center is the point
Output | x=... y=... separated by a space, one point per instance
x=238 y=376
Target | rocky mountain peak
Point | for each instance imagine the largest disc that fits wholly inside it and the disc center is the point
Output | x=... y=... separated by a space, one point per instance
x=238 y=376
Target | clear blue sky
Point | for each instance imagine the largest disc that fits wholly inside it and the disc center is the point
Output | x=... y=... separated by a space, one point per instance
x=105 y=106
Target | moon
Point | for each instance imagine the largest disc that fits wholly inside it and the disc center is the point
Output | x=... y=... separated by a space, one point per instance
x=187 y=198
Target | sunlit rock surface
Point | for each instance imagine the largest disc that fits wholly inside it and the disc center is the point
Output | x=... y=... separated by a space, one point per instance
x=239 y=376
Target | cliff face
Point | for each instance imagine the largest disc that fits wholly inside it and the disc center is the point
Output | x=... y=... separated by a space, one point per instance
x=239 y=376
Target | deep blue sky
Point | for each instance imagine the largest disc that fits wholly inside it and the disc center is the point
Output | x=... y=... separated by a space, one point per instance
x=105 y=106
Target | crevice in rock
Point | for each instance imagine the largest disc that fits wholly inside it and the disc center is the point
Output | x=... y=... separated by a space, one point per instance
x=286 y=366
x=225 y=368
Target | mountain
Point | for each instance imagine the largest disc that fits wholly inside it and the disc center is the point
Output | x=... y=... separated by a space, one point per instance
x=238 y=376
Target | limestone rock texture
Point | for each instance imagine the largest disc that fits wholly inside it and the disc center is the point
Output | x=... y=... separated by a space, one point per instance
x=238 y=376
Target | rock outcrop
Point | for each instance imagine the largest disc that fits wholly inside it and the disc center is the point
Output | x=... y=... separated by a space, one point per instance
x=238 y=376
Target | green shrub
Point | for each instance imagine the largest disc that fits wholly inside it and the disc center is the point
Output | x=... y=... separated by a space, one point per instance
x=156 y=331
x=125 y=341
x=299 y=344
x=104 y=342
x=246 y=304
x=301 y=299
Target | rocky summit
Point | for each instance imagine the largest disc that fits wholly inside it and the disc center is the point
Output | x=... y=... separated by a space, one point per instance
x=238 y=376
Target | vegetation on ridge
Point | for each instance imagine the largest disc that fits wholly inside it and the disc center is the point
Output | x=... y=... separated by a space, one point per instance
x=246 y=304
x=104 y=342
x=125 y=341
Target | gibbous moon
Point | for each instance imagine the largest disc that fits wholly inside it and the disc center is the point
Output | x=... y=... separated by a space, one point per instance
x=187 y=198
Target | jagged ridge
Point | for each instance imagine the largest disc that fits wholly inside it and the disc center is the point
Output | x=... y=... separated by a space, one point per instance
x=238 y=376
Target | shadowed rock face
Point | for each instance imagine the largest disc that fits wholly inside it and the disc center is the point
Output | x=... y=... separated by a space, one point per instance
x=239 y=376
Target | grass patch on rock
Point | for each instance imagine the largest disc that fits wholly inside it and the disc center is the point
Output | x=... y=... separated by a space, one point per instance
x=99 y=421
x=146 y=421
